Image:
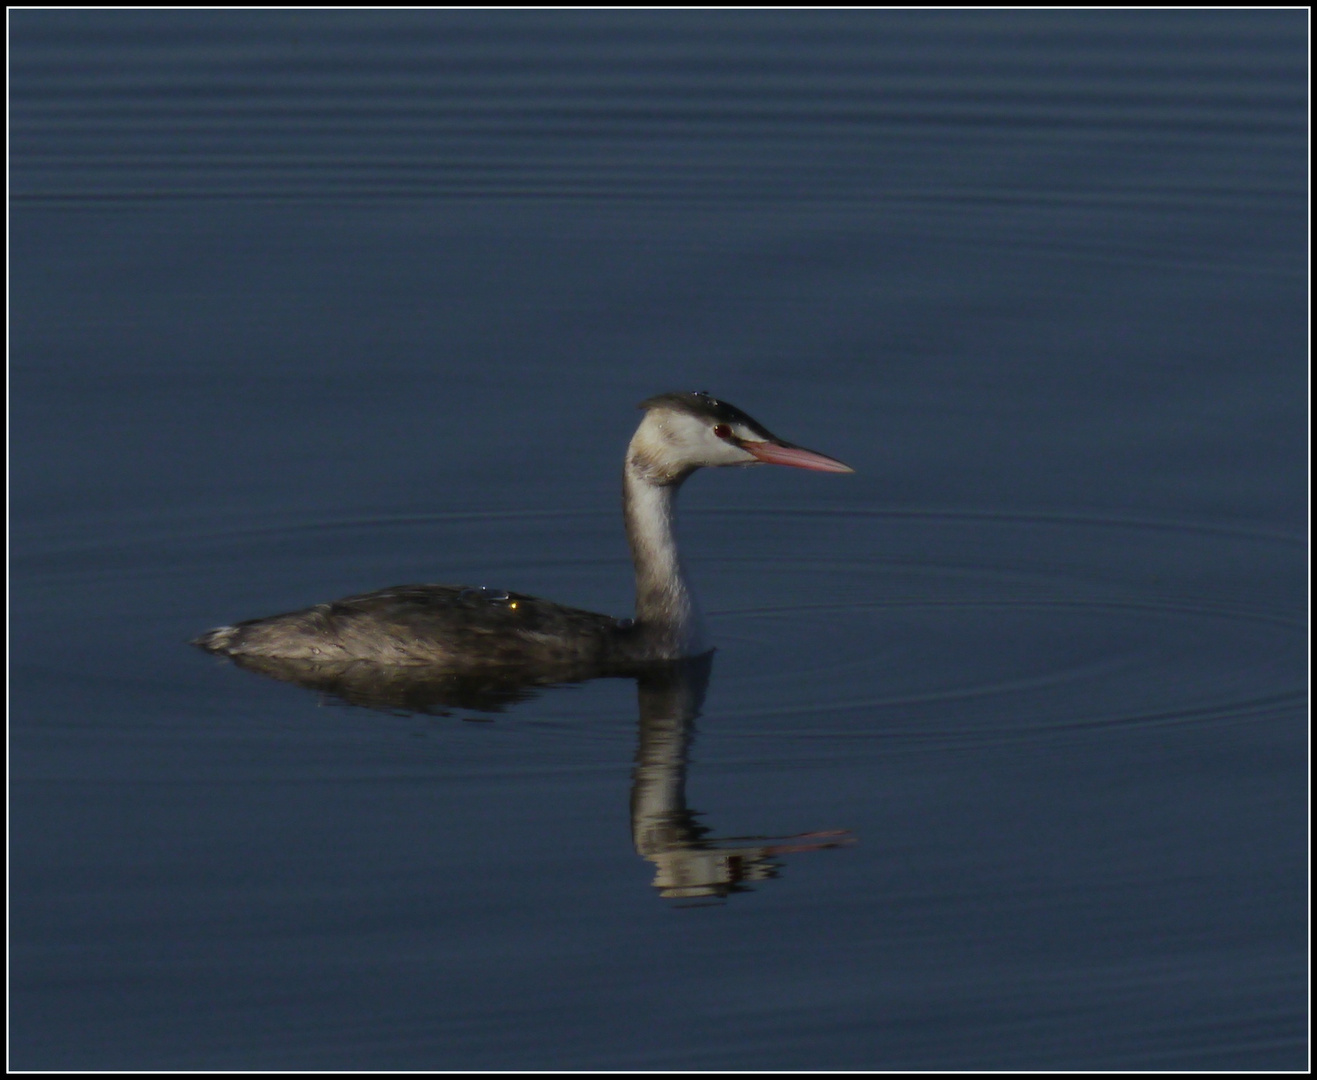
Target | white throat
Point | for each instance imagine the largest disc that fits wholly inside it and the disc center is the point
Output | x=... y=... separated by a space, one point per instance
x=666 y=612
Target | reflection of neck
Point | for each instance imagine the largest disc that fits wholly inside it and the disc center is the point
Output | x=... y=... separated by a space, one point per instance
x=669 y=699
x=660 y=821
x=665 y=608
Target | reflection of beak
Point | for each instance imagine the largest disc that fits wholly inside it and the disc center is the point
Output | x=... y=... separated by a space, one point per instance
x=795 y=456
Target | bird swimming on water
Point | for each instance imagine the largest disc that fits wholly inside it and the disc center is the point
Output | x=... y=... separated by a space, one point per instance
x=456 y=628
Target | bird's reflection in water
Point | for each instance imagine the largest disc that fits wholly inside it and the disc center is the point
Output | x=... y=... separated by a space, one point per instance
x=690 y=863
x=415 y=689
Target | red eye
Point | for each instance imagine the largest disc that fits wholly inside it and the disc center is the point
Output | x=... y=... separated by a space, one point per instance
x=723 y=431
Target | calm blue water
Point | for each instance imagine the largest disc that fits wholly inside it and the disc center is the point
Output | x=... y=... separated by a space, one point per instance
x=1001 y=759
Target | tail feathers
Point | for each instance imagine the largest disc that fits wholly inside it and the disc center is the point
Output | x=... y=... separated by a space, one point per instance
x=220 y=640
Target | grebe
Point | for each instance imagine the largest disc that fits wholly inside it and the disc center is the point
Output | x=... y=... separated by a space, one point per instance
x=453 y=628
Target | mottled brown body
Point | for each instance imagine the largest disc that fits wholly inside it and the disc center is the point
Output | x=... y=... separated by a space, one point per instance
x=442 y=625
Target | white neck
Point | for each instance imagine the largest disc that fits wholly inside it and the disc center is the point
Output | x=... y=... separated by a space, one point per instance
x=666 y=612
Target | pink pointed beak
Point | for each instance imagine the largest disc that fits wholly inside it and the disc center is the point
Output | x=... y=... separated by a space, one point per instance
x=796 y=456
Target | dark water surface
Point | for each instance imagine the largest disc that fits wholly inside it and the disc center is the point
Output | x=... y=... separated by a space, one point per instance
x=1001 y=759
